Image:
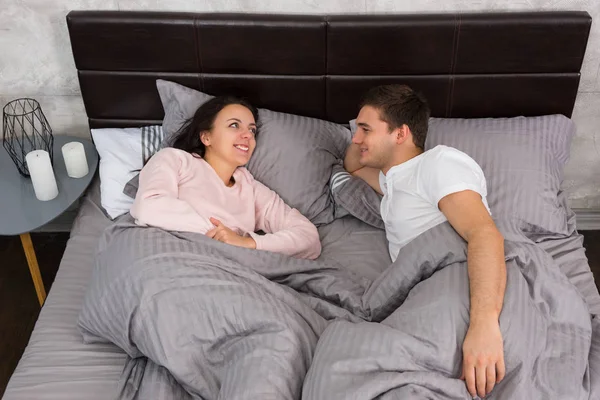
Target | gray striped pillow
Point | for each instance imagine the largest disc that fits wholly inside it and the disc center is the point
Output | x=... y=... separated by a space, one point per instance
x=294 y=155
x=152 y=138
x=523 y=159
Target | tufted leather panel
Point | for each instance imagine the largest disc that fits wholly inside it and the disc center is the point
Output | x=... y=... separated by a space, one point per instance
x=467 y=65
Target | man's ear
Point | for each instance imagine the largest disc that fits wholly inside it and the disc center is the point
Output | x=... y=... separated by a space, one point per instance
x=402 y=134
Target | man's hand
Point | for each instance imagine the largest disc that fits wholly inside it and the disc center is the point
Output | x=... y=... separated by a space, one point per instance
x=483 y=357
x=223 y=234
x=352 y=158
x=353 y=166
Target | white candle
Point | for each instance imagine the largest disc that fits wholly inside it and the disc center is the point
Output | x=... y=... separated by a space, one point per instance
x=75 y=161
x=42 y=175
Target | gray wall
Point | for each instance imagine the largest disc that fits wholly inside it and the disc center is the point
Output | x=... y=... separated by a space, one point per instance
x=36 y=60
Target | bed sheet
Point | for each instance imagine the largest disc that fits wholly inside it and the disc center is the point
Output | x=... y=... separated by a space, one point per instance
x=56 y=364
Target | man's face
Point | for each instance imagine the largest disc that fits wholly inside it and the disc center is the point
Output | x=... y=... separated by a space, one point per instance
x=374 y=139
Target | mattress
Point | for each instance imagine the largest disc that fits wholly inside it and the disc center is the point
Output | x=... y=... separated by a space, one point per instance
x=57 y=365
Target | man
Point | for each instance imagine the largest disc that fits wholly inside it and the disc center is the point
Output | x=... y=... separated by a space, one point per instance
x=423 y=189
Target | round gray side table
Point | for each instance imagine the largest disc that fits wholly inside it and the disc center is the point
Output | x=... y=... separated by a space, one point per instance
x=21 y=212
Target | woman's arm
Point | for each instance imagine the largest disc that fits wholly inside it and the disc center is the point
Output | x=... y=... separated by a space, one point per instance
x=288 y=231
x=157 y=202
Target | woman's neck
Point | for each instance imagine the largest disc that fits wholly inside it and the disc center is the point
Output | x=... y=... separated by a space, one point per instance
x=223 y=170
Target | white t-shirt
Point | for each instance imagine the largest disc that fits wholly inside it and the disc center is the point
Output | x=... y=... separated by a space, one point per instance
x=413 y=189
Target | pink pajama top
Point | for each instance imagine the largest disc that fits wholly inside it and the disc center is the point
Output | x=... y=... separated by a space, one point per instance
x=180 y=192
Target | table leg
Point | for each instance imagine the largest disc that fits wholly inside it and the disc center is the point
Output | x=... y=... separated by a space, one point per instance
x=34 y=269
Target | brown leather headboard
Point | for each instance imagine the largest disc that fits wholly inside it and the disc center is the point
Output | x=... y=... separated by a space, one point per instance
x=467 y=65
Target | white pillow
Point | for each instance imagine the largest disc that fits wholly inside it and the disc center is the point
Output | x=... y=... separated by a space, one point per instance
x=123 y=152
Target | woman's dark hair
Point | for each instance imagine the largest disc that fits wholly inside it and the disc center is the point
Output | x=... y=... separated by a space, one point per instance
x=187 y=138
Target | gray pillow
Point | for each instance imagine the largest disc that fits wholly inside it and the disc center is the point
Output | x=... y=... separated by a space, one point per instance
x=523 y=159
x=179 y=103
x=294 y=155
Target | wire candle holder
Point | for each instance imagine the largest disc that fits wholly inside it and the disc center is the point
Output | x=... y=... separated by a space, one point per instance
x=25 y=128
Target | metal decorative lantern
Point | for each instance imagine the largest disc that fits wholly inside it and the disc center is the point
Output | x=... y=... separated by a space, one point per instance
x=25 y=129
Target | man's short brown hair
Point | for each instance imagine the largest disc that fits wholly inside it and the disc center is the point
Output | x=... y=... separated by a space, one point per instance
x=400 y=105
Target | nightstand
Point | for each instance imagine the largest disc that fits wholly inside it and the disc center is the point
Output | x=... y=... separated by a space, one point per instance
x=21 y=212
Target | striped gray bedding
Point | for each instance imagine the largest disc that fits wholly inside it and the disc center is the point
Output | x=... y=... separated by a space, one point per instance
x=200 y=319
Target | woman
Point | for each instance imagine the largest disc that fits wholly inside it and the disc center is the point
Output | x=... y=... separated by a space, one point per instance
x=199 y=185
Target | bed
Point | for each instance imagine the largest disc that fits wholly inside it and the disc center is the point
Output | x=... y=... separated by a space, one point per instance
x=467 y=65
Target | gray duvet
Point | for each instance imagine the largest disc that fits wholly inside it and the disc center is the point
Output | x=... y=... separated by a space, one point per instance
x=200 y=319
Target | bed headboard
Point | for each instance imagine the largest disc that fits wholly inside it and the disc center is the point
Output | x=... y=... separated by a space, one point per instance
x=467 y=65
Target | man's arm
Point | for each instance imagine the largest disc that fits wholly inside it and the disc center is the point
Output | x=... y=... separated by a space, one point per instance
x=353 y=166
x=483 y=353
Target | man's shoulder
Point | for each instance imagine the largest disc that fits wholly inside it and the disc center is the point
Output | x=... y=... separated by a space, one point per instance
x=447 y=161
x=446 y=154
x=442 y=150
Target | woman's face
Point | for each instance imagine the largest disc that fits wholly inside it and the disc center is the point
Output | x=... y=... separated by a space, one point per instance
x=232 y=139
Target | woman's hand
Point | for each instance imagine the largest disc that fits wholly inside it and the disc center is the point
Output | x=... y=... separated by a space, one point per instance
x=223 y=234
